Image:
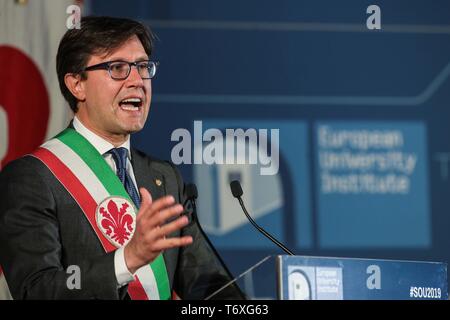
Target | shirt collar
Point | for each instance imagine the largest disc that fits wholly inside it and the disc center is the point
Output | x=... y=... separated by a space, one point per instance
x=98 y=142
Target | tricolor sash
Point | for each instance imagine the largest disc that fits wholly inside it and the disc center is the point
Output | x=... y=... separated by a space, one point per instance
x=104 y=201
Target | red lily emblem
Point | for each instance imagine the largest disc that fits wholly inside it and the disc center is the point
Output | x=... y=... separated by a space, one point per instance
x=117 y=223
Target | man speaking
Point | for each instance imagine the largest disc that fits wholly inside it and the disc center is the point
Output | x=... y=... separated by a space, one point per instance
x=87 y=203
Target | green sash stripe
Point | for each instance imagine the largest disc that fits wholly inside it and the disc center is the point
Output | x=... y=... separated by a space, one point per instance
x=95 y=161
x=160 y=271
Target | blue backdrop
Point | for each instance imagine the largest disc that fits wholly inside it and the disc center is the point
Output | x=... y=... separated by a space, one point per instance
x=363 y=119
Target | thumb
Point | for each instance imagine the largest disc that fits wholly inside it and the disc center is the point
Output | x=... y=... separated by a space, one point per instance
x=146 y=198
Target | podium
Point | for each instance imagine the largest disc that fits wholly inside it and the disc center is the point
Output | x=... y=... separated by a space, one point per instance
x=325 y=278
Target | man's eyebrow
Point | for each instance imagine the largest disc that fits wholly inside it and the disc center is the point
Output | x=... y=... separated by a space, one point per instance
x=142 y=58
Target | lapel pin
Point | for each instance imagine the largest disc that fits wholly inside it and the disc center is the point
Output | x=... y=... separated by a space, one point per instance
x=158 y=182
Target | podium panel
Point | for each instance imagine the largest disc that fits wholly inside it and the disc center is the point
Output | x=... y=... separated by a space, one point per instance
x=320 y=278
x=324 y=278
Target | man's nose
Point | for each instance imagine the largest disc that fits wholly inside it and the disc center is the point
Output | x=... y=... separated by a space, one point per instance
x=134 y=78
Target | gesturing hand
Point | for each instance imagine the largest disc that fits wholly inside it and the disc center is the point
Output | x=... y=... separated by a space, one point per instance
x=149 y=238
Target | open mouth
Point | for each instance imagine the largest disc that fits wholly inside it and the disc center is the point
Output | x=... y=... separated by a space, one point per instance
x=131 y=104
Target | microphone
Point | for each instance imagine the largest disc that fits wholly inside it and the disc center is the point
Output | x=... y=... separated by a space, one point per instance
x=190 y=190
x=237 y=192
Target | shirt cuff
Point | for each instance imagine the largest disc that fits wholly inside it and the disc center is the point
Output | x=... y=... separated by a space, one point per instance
x=123 y=275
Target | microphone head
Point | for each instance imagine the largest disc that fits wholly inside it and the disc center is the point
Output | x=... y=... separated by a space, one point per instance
x=236 y=189
x=191 y=191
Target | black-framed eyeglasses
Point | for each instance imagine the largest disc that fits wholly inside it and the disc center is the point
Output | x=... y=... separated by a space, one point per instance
x=120 y=70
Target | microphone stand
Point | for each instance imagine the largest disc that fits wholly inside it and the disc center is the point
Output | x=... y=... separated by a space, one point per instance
x=264 y=232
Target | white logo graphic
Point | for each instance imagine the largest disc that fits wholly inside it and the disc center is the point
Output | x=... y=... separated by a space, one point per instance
x=218 y=211
x=299 y=286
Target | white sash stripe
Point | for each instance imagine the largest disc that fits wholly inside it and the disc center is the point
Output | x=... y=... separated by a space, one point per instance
x=148 y=281
x=96 y=189
x=79 y=168
x=4 y=290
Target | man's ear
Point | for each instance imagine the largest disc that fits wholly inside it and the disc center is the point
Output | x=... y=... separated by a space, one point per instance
x=75 y=85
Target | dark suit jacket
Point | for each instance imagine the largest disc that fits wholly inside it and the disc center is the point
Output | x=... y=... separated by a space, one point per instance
x=43 y=231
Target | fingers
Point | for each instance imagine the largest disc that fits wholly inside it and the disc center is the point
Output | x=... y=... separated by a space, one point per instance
x=146 y=199
x=155 y=213
x=173 y=226
x=138 y=254
x=157 y=235
x=152 y=207
x=160 y=232
x=152 y=226
x=168 y=243
x=160 y=217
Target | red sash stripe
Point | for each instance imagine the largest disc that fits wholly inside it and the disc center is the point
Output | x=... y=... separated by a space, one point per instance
x=74 y=187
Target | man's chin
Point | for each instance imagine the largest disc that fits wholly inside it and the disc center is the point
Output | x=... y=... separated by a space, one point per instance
x=129 y=126
x=133 y=128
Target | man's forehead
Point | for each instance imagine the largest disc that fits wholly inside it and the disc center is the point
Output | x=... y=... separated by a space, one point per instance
x=130 y=50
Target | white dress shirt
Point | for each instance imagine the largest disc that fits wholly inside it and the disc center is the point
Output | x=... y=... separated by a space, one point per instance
x=123 y=275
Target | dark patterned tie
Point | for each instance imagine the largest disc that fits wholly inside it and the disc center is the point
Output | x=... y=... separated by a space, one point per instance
x=120 y=158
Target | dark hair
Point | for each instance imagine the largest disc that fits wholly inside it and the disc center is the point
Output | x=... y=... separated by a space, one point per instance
x=97 y=35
